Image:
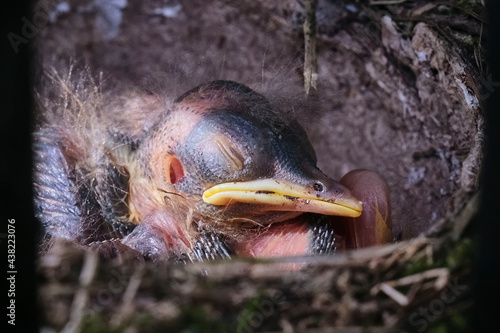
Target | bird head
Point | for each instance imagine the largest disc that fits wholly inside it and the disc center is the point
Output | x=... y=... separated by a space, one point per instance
x=237 y=161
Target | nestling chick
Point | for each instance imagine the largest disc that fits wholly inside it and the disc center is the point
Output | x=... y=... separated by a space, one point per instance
x=218 y=171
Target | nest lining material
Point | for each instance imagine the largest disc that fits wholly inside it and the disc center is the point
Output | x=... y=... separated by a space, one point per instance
x=371 y=285
x=411 y=88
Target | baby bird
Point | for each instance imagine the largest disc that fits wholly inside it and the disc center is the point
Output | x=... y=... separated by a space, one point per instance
x=217 y=172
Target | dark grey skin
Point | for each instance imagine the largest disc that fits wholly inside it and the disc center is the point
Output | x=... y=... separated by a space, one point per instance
x=151 y=195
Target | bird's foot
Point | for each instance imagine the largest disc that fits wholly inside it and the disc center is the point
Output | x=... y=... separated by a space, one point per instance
x=161 y=237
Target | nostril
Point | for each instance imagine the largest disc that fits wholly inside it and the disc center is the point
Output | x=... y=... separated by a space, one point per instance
x=318 y=187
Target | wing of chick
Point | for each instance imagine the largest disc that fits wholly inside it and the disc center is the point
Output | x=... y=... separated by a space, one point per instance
x=80 y=155
x=85 y=154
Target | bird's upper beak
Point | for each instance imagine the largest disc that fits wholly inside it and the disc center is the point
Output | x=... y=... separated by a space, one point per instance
x=281 y=195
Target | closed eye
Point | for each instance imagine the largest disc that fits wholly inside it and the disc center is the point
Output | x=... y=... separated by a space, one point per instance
x=229 y=152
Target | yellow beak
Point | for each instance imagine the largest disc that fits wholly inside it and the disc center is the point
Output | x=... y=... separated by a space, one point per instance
x=283 y=196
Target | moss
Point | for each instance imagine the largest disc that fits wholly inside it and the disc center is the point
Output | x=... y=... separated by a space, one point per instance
x=94 y=323
x=143 y=320
x=459 y=254
x=192 y=320
x=249 y=311
x=419 y=266
x=457 y=323
x=198 y=319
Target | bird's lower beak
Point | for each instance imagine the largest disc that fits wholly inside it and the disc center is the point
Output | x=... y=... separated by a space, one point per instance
x=280 y=195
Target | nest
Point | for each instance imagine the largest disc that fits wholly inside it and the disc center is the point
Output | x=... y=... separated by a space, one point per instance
x=398 y=92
